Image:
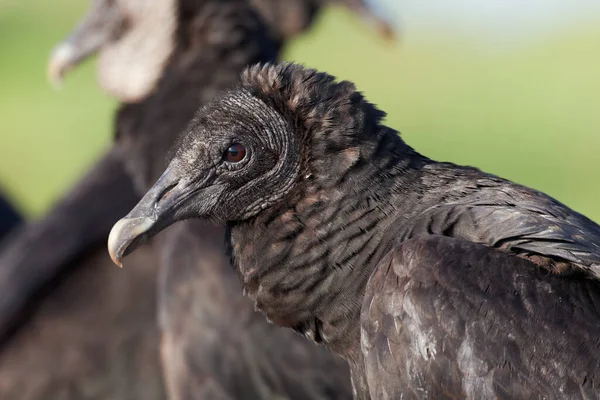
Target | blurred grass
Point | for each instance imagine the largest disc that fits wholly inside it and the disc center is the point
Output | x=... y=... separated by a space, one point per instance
x=530 y=113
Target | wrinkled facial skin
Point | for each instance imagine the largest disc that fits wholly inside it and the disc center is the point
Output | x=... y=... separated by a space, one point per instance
x=201 y=181
x=234 y=186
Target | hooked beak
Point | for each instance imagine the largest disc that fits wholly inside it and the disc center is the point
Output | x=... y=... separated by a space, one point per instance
x=158 y=209
x=102 y=23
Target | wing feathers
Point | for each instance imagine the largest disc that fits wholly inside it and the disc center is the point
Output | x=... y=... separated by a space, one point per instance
x=444 y=318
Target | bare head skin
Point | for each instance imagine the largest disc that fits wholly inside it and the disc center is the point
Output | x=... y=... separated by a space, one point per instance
x=118 y=30
x=300 y=137
x=271 y=158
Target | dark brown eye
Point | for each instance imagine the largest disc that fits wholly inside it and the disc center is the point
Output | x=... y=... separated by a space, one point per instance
x=235 y=153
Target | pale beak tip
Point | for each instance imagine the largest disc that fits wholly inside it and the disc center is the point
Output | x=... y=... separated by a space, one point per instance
x=115 y=259
x=122 y=235
x=115 y=241
x=60 y=61
x=55 y=81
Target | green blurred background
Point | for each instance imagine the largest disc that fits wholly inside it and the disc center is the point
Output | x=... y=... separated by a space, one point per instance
x=521 y=103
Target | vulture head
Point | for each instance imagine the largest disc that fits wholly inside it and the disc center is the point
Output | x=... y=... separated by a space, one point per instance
x=133 y=40
x=285 y=132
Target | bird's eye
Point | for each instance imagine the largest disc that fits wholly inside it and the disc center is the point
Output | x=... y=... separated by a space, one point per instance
x=235 y=153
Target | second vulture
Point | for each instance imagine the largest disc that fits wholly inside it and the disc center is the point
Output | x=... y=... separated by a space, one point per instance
x=432 y=280
x=162 y=60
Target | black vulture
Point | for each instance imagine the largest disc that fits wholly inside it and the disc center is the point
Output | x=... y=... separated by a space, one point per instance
x=213 y=41
x=9 y=216
x=432 y=280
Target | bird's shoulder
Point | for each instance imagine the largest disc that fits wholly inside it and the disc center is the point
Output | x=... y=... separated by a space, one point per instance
x=481 y=208
x=446 y=318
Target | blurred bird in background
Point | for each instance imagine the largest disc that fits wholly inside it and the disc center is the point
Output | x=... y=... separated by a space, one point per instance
x=73 y=326
x=9 y=216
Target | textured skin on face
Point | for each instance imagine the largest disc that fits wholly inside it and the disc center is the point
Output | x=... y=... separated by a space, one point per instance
x=255 y=126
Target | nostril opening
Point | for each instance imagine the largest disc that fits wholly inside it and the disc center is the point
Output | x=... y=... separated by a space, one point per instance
x=165 y=193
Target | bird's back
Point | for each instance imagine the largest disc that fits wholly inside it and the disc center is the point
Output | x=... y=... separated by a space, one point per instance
x=490 y=291
x=446 y=318
x=469 y=204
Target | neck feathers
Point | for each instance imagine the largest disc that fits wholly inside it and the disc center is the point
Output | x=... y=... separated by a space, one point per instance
x=306 y=262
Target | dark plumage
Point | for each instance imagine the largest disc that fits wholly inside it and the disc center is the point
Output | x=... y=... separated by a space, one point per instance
x=9 y=216
x=432 y=280
x=87 y=336
x=162 y=86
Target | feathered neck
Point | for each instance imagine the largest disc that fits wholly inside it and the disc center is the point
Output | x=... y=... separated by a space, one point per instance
x=306 y=262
